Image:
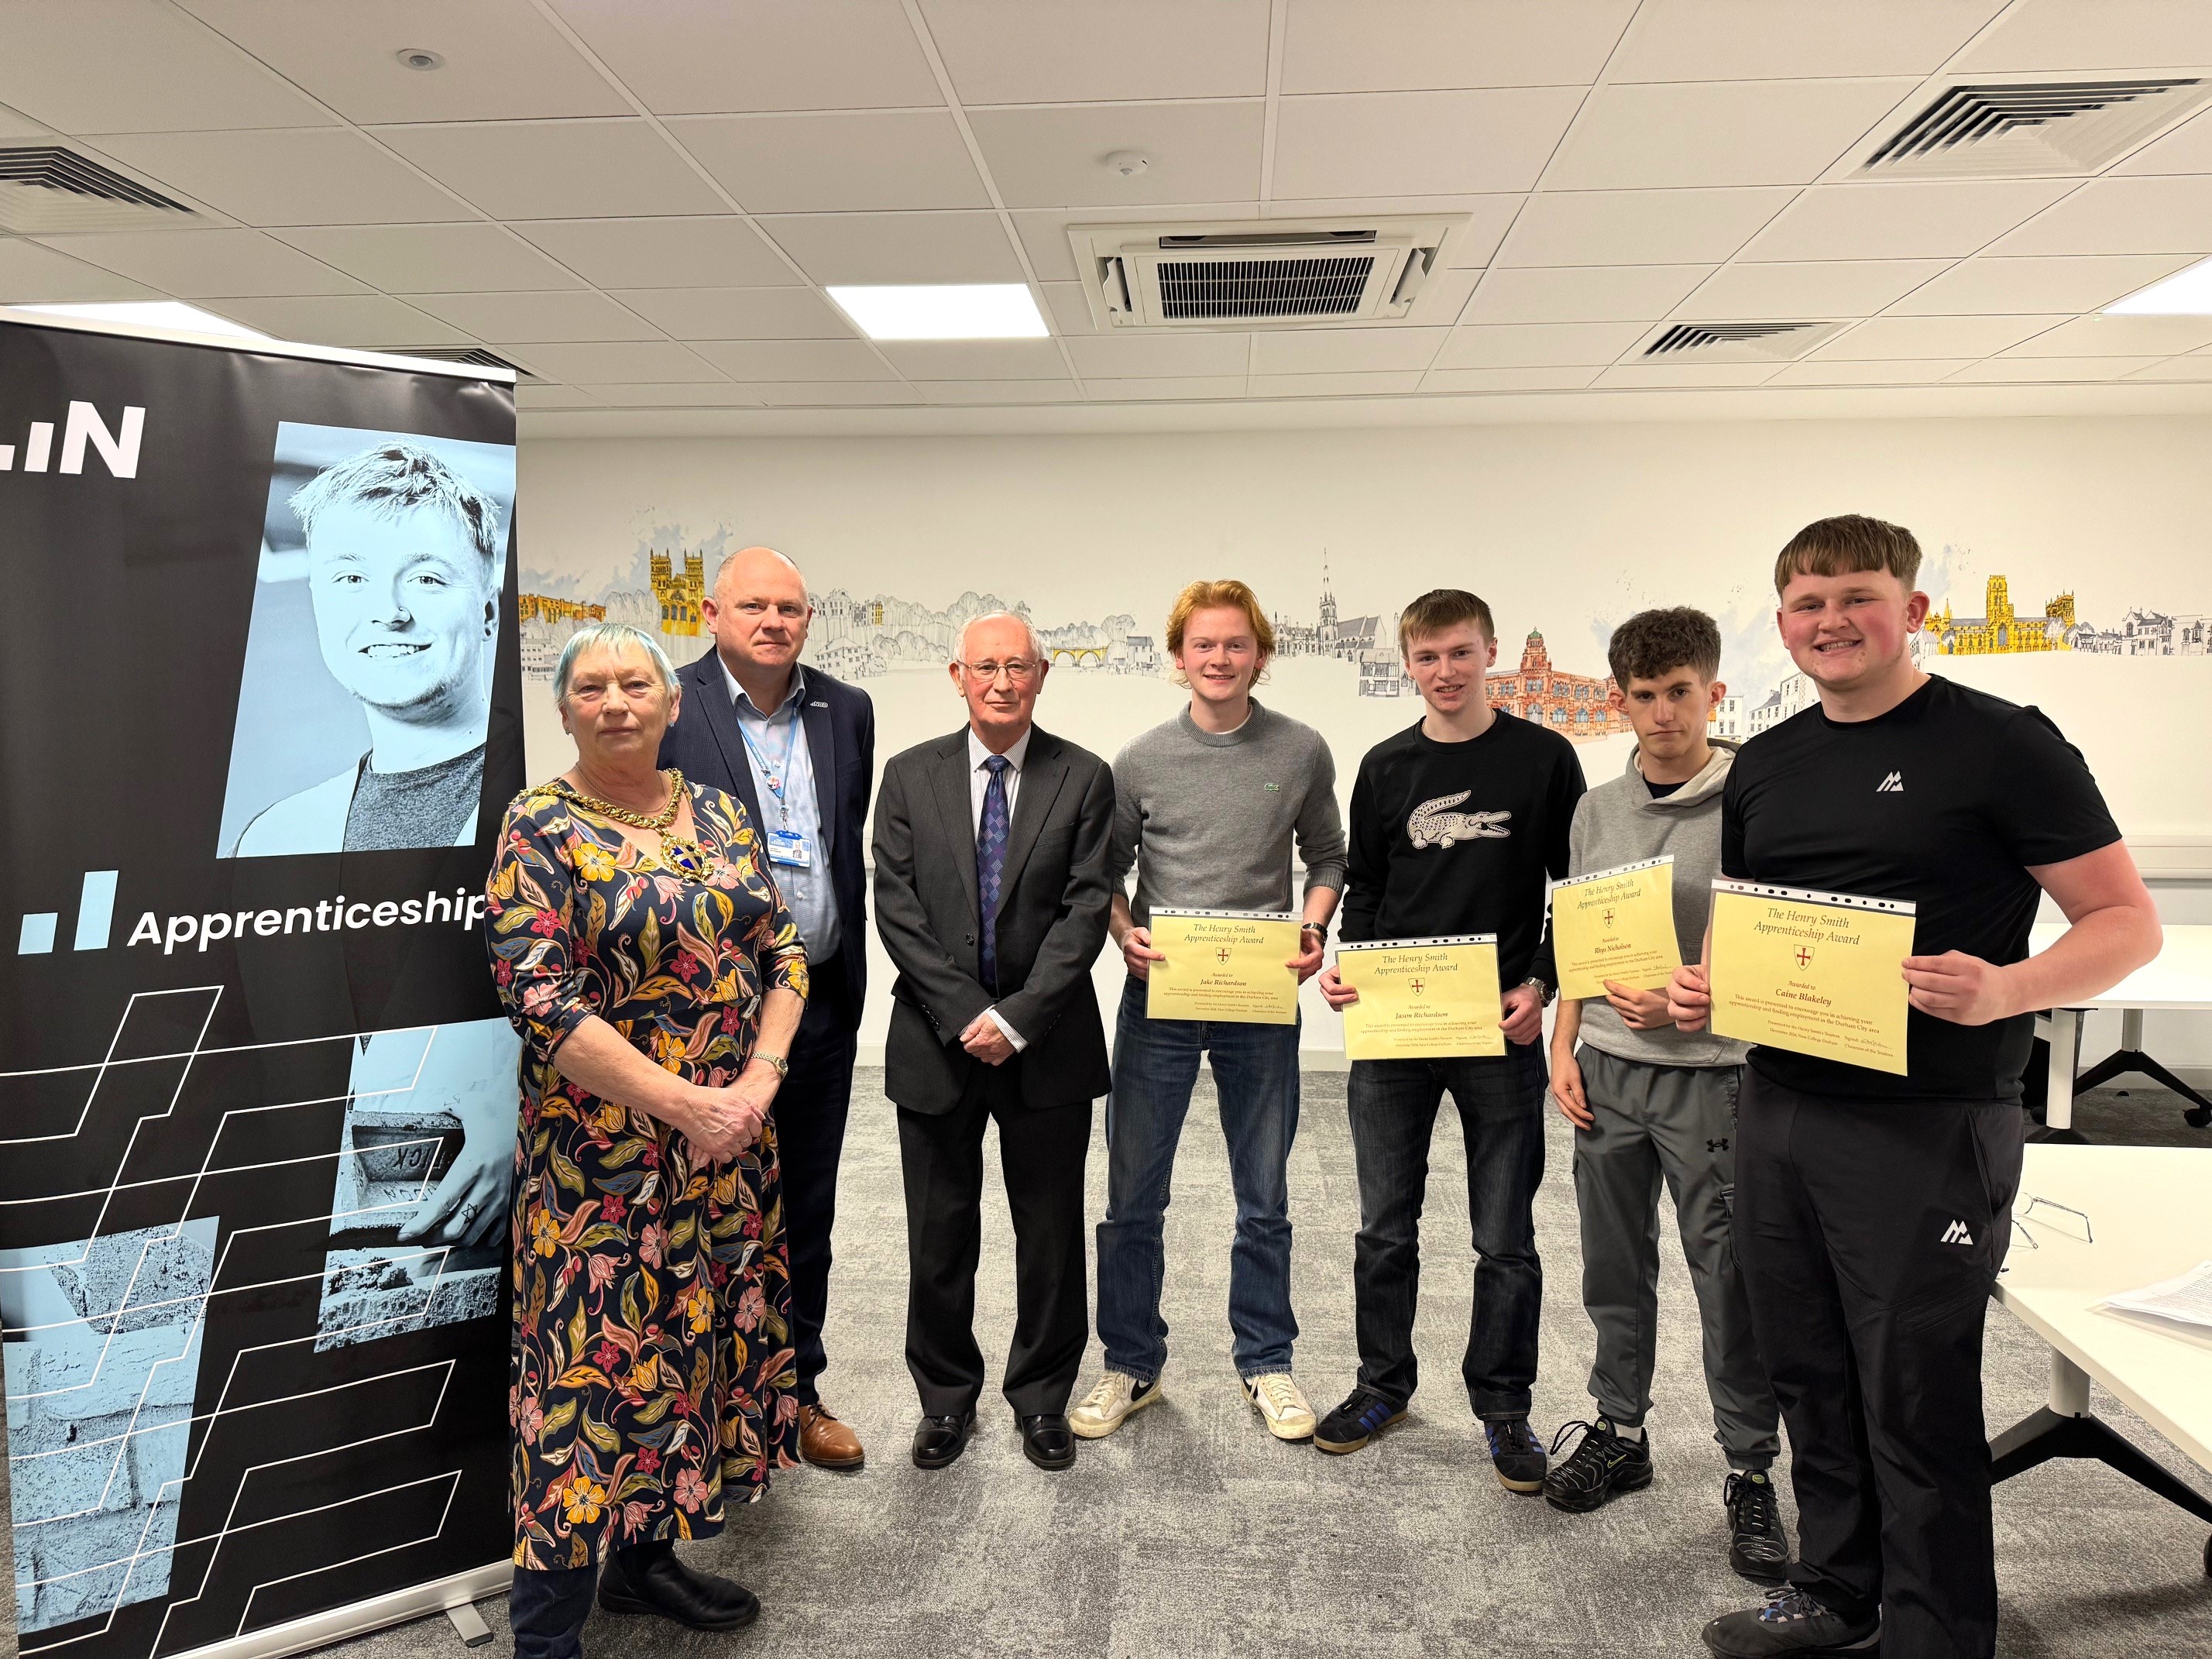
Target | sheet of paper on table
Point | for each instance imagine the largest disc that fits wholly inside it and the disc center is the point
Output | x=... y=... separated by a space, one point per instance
x=2186 y=1298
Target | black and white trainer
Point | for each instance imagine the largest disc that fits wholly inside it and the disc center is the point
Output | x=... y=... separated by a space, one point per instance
x=1757 y=1547
x=1795 y=1623
x=1604 y=1465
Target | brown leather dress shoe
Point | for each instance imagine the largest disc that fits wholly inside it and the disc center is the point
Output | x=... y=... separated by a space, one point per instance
x=826 y=1443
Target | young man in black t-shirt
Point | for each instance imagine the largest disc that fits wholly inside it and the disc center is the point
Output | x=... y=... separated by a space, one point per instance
x=1873 y=1211
x=1456 y=824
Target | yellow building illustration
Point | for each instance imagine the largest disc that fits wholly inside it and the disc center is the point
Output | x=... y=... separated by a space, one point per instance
x=679 y=590
x=539 y=607
x=2003 y=630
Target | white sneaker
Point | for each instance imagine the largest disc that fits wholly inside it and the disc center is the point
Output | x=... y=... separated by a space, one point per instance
x=1277 y=1398
x=1107 y=1407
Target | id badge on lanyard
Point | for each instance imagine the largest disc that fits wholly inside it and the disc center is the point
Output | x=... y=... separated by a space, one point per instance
x=788 y=848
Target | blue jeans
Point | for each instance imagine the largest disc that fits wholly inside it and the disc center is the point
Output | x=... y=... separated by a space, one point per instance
x=1256 y=1073
x=1394 y=1105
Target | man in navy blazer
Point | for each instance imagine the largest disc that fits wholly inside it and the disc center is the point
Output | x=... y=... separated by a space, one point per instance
x=798 y=748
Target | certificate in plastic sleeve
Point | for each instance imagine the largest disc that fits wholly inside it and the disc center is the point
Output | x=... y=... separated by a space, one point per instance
x=1617 y=924
x=1230 y=966
x=1814 y=973
x=1422 y=999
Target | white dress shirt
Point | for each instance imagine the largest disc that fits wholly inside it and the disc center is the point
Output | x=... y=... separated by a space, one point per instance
x=979 y=781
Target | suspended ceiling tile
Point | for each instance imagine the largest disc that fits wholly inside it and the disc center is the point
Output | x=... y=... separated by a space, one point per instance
x=1925 y=220
x=796 y=360
x=975 y=360
x=1721 y=132
x=1062 y=391
x=1891 y=338
x=125 y=66
x=2030 y=369
x=1016 y=52
x=1343 y=350
x=2187 y=148
x=503 y=61
x=1056 y=156
x=737 y=313
x=1631 y=375
x=2119 y=336
x=2068 y=36
x=835 y=161
x=1730 y=40
x=432 y=258
x=191 y=264
x=713 y=252
x=534 y=317
x=1351 y=45
x=2058 y=282
x=2176 y=368
x=540 y=394
x=1166 y=388
x=1911 y=371
x=1375 y=384
x=833 y=394
x=679 y=394
x=1582 y=294
x=616 y=364
x=1820 y=288
x=897 y=247
x=737 y=55
x=371 y=322
x=2123 y=216
x=1533 y=345
x=1115 y=357
x=1067 y=307
x=329 y=176
x=1509 y=379
x=558 y=169
x=1377 y=143
x=1639 y=227
x=32 y=273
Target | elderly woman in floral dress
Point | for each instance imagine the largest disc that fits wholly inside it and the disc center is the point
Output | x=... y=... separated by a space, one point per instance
x=643 y=952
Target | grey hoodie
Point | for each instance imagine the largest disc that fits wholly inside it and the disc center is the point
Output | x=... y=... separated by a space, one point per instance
x=1623 y=823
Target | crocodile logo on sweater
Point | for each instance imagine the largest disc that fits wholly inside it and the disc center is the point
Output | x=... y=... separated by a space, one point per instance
x=1433 y=823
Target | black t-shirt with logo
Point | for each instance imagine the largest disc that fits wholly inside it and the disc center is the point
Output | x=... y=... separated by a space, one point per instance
x=1458 y=838
x=1944 y=800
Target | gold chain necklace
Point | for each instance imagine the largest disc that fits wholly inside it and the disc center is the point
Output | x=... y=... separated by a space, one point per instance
x=687 y=856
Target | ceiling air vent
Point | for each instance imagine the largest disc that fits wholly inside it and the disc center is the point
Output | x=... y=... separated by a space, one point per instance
x=475 y=355
x=2031 y=128
x=43 y=187
x=1735 y=342
x=1275 y=274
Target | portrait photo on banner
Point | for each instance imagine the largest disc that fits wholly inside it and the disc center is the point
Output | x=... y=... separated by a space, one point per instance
x=366 y=691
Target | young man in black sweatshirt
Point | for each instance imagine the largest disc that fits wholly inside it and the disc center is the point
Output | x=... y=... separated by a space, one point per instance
x=1456 y=824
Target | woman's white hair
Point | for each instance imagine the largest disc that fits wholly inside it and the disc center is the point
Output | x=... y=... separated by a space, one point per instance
x=617 y=637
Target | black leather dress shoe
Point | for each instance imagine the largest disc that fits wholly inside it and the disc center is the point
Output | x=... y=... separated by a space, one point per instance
x=1048 y=1442
x=648 y=1578
x=939 y=1441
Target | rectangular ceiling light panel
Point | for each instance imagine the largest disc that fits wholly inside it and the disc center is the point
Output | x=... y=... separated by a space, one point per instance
x=173 y=314
x=943 y=311
x=2033 y=129
x=2185 y=294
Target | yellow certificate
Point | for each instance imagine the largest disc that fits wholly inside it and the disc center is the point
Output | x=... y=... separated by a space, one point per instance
x=1616 y=924
x=1422 y=999
x=1230 y=966
x=1815 y=973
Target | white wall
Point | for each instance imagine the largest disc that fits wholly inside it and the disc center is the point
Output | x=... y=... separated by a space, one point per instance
x=1565 y=529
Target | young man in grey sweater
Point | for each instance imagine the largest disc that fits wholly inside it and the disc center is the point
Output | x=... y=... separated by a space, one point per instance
x=1206 y=807
x=1652 y=1102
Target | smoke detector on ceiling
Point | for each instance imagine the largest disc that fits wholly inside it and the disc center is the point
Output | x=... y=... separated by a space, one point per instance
x=44 y=188
x=1272 y=273
x=1735 y=342
x=2035 y=128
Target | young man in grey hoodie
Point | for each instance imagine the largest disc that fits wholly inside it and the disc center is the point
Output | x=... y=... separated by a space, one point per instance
x=1650 y=1103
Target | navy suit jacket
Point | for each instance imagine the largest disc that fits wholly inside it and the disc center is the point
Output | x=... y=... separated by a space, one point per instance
x=706 y=745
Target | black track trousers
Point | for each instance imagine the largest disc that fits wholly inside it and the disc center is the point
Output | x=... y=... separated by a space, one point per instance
x=1869 y=1234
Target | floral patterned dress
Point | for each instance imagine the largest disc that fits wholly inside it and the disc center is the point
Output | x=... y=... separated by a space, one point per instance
x=652 y=1359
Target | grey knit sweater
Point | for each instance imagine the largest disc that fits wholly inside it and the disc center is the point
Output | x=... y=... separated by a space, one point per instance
x=1208 y=819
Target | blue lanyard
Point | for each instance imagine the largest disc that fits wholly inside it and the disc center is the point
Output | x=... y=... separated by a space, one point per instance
x=778 y=777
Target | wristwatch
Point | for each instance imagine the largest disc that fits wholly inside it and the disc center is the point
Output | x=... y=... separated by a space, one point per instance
x=782 y=1065
x=1542 y=990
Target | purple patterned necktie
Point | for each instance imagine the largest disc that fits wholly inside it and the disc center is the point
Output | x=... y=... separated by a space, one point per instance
x=991 y=865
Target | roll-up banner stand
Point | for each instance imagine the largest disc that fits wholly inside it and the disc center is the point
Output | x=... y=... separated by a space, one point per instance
x=259 y=716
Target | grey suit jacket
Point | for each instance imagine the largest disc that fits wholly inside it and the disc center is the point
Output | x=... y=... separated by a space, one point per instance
x=1052 y=922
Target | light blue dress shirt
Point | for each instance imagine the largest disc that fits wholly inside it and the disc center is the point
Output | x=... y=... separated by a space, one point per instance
x=808 y=893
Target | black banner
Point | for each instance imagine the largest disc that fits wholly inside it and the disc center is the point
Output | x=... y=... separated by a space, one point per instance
x=262 y=713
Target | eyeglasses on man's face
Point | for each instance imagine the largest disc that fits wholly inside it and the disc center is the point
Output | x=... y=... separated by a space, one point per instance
x=1018 y=670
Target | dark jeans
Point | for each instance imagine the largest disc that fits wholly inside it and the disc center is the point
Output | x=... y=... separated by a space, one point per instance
x=1255 y=1074
x=811 y=1111
x=1870 y=1233
x=547 y=1610
x=1394 y=1106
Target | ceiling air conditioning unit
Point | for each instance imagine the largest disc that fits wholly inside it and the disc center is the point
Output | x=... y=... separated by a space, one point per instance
x=1276 y=273
x=1732 y=342
x=2033 y=129
x=45 y=187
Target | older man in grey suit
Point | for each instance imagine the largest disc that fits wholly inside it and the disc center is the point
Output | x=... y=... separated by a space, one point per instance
x=992 y=898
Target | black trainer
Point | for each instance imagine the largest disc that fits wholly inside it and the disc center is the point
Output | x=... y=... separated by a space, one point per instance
x=1791 y=1622
x=1757 y=1547
x=1364 y=1414
x=1602 y=1466
x=1517 y=1453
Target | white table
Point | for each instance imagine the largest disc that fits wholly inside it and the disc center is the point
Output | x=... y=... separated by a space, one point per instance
x=2178 y=977
x=2146 y=1220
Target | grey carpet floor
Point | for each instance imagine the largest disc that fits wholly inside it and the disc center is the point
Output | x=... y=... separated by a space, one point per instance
x=1193 y=1532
